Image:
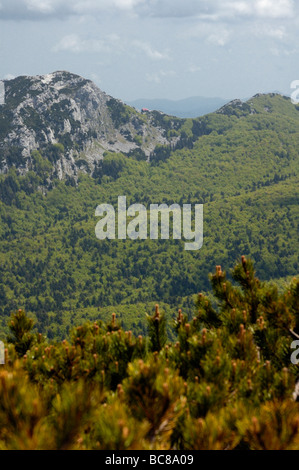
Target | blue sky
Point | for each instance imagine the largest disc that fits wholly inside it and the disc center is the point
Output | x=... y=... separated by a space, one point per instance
x=156 y=48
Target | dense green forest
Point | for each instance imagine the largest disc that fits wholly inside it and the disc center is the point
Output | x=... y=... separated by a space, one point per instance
x=226 y=381
x=241 y=163
x=122 y=344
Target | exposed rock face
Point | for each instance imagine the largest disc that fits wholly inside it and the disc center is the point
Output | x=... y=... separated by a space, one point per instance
x=237 y=108
x=71 y=122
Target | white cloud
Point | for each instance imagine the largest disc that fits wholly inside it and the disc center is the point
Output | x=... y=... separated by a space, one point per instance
x=98 y=6
x=41 y=6
x=149 y=51
x=274 y=8
x=239 y=8
x=215 y=10
x=207 y=10
x=76 y=44
x=176 y=8
x=271 y=9
x=157 y=77
x=126 y=4
x=219 y=38
x=69 y=43
x=110 y=43
x=276 y=33
x=194 y=69
x=215 y=35
x=41 y=9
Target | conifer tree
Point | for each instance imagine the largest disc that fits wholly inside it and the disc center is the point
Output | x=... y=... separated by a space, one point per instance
x=21 y=336
x=226 y=382
x=157 y=330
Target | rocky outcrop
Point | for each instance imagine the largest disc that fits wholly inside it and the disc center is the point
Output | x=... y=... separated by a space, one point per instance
x=72 y=123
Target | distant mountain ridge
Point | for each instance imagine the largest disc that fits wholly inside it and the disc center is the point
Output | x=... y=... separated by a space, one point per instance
x=185 y=108
x=60 y=124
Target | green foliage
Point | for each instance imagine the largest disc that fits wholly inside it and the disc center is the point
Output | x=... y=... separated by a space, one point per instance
x=20 y=326
x=112 y=165
x=220 y=385
x=157 y=330
x=243 y=169
x=219 y=377
x=42 y=166
x=120 y=112
x=54 y=152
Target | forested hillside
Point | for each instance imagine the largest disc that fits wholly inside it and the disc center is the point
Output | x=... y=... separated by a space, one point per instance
x=226 y=382
x=241 y=163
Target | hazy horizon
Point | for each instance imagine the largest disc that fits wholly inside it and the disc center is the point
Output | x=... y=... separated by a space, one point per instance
x=156 y=49
x=154 y=98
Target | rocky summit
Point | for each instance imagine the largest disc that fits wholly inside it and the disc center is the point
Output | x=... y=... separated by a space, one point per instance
x=71 y=123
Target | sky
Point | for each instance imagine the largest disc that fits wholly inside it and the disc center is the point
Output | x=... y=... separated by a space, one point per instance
x=170 y=49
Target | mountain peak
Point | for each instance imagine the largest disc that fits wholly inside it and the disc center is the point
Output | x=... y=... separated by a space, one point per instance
x=47 y=78
x=259 y=103
x=62 y=108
